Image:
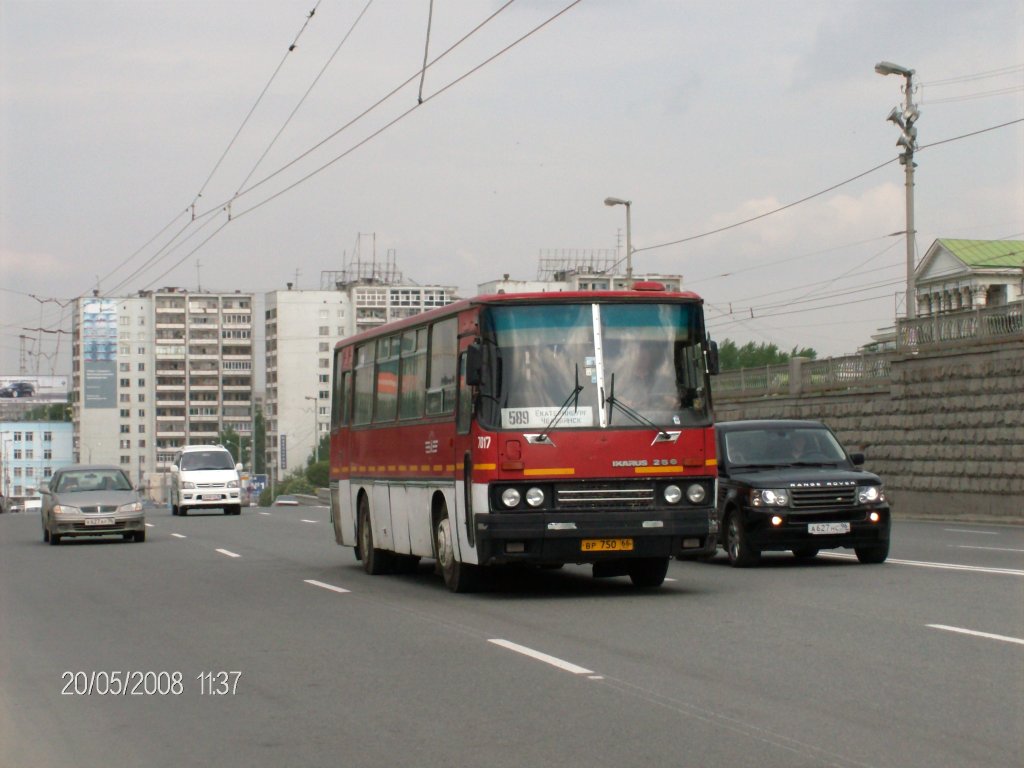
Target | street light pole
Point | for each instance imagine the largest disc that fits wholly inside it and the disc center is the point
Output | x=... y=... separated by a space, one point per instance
x=629 y=236
x=908 y=140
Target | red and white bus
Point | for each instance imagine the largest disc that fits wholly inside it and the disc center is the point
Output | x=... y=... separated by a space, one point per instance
x=542 y=428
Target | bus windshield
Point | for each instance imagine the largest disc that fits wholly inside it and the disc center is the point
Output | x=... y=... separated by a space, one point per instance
x=564 y=366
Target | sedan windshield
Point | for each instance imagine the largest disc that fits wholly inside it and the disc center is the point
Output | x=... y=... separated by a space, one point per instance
x=782 y=447
x=76 y=481
x=595 y=365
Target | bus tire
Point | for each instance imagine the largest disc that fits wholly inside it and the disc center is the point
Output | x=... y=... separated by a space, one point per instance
x=375 y=561
x=648 y=572
x=459 y=577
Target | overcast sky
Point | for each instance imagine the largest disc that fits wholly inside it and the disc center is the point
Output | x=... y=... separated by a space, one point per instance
x=116 y=117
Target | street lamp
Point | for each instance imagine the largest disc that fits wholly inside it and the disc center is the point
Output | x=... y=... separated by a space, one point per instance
x=316 y=433
x=905 y=119
x=629 y=237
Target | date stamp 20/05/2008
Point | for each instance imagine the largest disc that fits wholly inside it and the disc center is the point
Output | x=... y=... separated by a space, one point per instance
x=151 y=683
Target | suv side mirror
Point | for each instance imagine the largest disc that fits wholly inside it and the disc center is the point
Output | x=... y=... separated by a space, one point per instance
x=238 y=467
x=174 y=469
x=857 y=458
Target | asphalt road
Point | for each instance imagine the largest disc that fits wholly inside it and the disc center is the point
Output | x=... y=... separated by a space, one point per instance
x=917 y=662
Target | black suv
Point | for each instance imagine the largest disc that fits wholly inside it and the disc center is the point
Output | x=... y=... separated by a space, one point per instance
x=18 y=389
x=790 y=485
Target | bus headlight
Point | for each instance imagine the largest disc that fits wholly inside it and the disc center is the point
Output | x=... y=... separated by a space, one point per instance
x=672 y=494
x=535 y=497
x=696 y=493
x=510 y=497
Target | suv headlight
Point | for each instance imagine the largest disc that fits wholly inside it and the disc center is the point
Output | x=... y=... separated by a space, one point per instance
x=870 y=494
x=232 y=483
x=770 y=497
x=188 y=485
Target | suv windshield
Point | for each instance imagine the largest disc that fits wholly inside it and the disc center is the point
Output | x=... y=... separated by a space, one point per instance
x=637 y=365
x=200 y=460
x=782 y=447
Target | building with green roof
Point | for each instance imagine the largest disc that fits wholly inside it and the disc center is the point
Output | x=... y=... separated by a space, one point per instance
x=969 y=274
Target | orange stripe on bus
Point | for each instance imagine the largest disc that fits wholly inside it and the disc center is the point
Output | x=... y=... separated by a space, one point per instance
x=550 y=471
x=658 y=470
x=485 y=467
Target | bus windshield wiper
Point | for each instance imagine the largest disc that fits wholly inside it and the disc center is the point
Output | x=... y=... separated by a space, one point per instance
x=636 y=416
x=574 y=398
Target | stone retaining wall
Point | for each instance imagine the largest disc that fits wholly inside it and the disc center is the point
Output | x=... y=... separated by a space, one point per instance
x=946 y=433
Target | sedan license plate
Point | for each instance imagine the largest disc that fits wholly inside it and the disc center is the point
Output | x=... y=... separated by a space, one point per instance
x=606 y=545
x=99 y=521
x=826 y=528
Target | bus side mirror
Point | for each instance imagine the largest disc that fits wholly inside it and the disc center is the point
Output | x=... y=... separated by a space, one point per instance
x=474 y=365
x=713 y=357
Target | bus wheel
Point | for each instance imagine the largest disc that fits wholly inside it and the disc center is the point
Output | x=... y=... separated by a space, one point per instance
x=648 y=572
x=375 y=561
x=459 y=577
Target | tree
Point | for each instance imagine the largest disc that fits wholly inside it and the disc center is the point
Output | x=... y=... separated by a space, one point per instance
x=750 y=355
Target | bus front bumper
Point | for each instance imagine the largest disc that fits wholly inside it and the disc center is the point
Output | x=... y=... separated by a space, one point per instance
x=591 y=537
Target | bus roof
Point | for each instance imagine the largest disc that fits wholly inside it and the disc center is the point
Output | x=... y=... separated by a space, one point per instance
x=642 y=292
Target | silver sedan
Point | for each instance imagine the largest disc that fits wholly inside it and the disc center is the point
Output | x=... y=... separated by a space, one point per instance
x=91 y=500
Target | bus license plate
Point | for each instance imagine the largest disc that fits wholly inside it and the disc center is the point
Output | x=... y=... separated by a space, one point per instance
x=827 y=528
x=606 y=545
x=99 y=521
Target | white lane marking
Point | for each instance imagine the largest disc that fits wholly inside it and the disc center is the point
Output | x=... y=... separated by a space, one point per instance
x=325 y=586
x=265 y=514
x=967 y=530
x=555 y=662
x=310 y=521
x=940 y=566
x=179 y=535
x=975 y=633
x=990 y=549
x=227 y=552
x=149 y=525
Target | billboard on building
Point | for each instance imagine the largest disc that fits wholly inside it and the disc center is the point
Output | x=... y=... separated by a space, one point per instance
x=99 y=353
x=34 y=387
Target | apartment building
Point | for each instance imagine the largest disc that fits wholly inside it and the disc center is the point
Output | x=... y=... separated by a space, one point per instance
x=302 y=327
x=30 y=452
x=157 y=371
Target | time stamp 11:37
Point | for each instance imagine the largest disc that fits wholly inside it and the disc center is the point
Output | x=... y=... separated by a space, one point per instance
x=151 y=683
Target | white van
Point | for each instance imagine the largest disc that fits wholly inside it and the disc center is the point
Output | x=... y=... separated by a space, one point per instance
x=205 y=477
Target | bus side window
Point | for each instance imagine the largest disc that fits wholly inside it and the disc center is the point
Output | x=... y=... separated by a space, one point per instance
x=441 y=377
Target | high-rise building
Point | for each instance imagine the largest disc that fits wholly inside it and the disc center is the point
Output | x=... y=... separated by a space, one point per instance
x=302 y=327
x=157 y=371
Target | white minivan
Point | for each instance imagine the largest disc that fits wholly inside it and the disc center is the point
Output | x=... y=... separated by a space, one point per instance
x=205 y=477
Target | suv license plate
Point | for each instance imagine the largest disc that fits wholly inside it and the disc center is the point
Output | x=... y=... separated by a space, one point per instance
x=211 y=497
x=99 y=521
x=606 y=545
x=826 y=528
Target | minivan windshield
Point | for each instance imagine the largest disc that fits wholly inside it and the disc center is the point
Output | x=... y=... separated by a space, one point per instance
x=200 y=460
x=588 y=365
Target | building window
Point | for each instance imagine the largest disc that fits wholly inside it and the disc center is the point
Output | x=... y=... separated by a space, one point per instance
x=47 y=437
x=125 y=397
x=126 y=459
x=142 y=382
x=30 y=436
x=126 y=382
x=123 y=367
x=17 y=454
x=324 y=330
x=125 y=429
x=142 y=366
x=17 y=437
x=125 y=413
x=47 y=453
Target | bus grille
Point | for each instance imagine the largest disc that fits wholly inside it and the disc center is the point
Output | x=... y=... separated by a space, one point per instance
x=603 y=496
x=823 y=497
